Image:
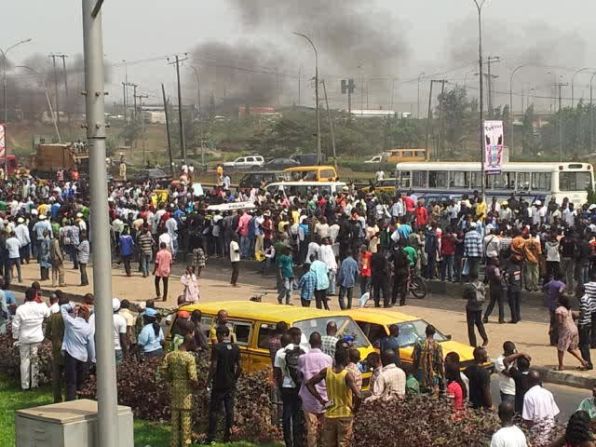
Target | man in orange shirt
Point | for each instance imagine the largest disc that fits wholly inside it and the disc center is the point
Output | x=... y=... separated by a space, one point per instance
x=532 y=252
x=365 y=270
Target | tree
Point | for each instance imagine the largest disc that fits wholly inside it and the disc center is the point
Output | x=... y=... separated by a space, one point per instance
x=452 y=109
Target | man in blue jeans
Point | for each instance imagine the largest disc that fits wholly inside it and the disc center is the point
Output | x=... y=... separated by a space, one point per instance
x=223 y=375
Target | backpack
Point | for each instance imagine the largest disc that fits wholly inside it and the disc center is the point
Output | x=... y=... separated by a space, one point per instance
x=292 y=356
x=480 y=292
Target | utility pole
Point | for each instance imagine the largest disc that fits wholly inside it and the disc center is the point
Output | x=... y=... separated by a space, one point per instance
x=592 y=114
x=134 y=102
x=124 y=99
x=348 y=86
x=56 y=106
x=418 y=109
x=430 y=114
x=180 y=122
x=107 y=392
x=558 y=88
x=66 y=105
x=442 y=130
x=299 y=84
x=331 y=126
x=141 y=97
x=165 y=107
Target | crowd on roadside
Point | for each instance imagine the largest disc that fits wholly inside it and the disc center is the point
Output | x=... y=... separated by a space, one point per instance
x=318 y=382
x=322 y=244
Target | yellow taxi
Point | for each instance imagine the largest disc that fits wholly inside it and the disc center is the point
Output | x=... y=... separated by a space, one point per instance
x=254 y=323
x=375 y=325
x=322 y=173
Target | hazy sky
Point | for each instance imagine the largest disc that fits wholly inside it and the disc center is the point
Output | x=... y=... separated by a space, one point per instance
x=433 y=36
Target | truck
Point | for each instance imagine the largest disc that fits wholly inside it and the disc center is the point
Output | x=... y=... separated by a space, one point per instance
x=49 y=158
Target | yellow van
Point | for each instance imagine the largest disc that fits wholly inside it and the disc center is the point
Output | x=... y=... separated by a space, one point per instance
x=254 y=323
x=311 y=173
x=375 y=325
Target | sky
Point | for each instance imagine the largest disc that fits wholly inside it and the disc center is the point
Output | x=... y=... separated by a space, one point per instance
x=382 y=44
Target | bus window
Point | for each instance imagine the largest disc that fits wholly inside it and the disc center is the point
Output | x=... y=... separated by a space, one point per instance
x=327 y=174
x=541 y=181
x=403 y=179
x=419 y=179
x=475 y=180
x=575 y=181
x=502 y=181
x=459 y=179
x=523 y=181
x=437 y=179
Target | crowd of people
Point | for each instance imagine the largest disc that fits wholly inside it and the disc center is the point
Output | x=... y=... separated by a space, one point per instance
x=322 y=244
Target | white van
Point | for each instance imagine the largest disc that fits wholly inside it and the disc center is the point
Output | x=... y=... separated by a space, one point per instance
x=246 y=162
x=305 y=188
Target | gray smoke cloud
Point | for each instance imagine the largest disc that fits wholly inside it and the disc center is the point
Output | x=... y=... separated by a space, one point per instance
x=352 y=37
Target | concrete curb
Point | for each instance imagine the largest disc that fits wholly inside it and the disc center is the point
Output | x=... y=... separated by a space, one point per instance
x=549 y=375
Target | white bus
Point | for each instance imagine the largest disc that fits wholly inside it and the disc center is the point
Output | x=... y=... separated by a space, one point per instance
x=305 y=188
x=535 y=181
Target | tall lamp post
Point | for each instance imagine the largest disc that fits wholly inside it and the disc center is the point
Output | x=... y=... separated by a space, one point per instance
x=47 y=95
x=573 y=84
x=4 y=67
x=479 y=4
x=304 y=36
x=511 y=117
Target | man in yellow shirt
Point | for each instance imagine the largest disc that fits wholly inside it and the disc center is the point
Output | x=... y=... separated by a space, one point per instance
x=481 y=209
x=343 y=401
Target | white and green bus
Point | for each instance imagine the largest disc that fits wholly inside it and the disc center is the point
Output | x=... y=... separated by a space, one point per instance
x=534 y=181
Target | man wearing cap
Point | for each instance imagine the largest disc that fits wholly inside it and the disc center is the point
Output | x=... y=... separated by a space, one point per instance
x=27 y=331
x=22 y=233
x=120 y=330
x=14 y=257
x=40 y=226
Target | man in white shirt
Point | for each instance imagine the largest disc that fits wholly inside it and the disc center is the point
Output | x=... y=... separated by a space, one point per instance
x=540 y=408
x=328 y=257
x=235 y=259
x=508 y=435
x=506 y=382
x=120 y=330
x=22 y=234
x=391 y=382
x=27 y=330
x=14 y=255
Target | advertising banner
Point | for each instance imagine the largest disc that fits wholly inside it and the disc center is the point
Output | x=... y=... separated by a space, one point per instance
x=493 y=147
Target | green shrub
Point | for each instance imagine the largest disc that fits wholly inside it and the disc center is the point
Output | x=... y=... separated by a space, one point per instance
x=10 y=359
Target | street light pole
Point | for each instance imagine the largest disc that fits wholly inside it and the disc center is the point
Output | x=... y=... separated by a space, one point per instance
x=107 y=392
x=318 y=115
x=479 y=4
x=573 y=84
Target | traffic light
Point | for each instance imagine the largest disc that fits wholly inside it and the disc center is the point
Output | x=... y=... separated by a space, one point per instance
x=344 y=86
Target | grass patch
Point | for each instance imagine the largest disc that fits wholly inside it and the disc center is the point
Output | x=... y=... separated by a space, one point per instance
x=12 y=398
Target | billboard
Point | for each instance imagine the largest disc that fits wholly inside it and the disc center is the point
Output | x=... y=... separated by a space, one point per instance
x=2 y=141
x=493 y=147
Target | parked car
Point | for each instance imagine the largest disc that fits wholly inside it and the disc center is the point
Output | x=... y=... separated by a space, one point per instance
x=245 y=162
x=280 y=163
x=154 y=174
x=377 y=159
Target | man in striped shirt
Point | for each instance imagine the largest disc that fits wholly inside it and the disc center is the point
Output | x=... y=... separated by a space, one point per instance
x=590 y=288
x=584 y=323
x=473 y=248
x=145 y=244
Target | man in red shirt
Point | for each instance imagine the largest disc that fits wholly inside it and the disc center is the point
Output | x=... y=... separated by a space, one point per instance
x=365 y=270
x=448 y=242
x=242 y=230
x=421 y=215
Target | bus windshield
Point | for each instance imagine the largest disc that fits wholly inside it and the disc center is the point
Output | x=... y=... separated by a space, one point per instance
x=574 y=181
x=345 y=327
